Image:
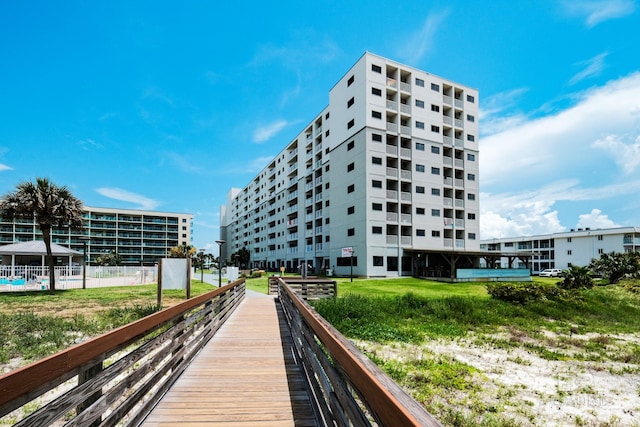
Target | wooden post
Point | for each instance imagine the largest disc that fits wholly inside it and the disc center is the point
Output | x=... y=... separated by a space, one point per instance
x=160 y=285
x=188 y=278
x=83 y=377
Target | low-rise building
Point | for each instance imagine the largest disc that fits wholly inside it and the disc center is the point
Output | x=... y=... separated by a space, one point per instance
x=561 y=250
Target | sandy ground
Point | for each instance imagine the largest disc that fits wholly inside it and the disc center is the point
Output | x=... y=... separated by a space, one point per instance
x=539 y=392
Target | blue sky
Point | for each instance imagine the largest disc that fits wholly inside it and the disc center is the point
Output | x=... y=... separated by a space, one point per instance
x=166 y=105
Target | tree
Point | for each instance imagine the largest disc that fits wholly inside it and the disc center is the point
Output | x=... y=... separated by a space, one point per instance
x=50 y=205
x=182 y=251
x=615 y=266
x=577 y=277
x=241 y=258
x=199 y=261
x=112 y=258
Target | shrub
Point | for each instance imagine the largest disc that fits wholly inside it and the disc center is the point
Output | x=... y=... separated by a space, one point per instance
x=577 y=277
x=522 y=293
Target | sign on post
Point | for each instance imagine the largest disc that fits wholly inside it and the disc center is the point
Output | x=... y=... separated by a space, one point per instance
x=347 y=252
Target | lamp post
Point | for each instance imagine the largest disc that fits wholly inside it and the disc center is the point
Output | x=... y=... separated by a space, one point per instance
x=220 y=243
x=84 y=240
x=351 y=274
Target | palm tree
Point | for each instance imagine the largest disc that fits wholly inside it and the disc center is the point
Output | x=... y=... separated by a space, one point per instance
x=50 y=206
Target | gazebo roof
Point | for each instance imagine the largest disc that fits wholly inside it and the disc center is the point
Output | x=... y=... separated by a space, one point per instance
x=36 y=247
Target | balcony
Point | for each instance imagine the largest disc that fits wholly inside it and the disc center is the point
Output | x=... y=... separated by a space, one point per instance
x=405 y=218
x=393 y=83
x=392 y=217
x=392 y=127
x=392 y=105
x=446 y=99
x=392 y=149
x=405 y=87
x=392 y=240
x=392 y=172
x=405 y=130
x=405 y=196
x=392 y=194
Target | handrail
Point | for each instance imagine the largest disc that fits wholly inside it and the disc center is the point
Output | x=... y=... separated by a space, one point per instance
x=163 y=343
x=308 y=289
x=342 y=378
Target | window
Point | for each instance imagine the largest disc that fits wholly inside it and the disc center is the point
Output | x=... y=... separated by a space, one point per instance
x=419 y=168
x=471 y=138
x=435 y=171
x=351 y=188
x=435 y=108
x=392 y=263
x=419 y=211
x=351 y=102
x=351 y=123
x=435 y=149
x=435 y=233
x=351 y=232
x=599 y=236
x=471 y=196
x=435 y=87
x=471 y=216
x=351 y=210
x=376 y=91
x=471 y=98
x=420 y=232
x=376 y=184
x=568 y=239
x=378 y=261
x=471 y=157
x=419 y=103
x=435 y=191
x=435 y=212
x=376 y=230
x=350 y=145
x=376 y=160
x=376 y=114
x=350 y=81
x=471 y=236
x=351 y=166
x=471 y=177
x=435 y=128
x=376 y=68
x=419 y=189
x=470 y=118
x=376 y=137
x=419 y=82
x=376 y=206
x=569 y=252
x=600 y=251
x=419 y=146
x=419 y=125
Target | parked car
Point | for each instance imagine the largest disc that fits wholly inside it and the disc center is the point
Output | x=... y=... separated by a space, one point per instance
x=551 y=272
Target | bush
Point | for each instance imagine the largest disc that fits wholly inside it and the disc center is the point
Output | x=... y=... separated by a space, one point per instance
x=522 y=293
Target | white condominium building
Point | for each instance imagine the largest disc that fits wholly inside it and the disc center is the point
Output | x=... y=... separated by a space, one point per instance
x=561 y=250
x=389 y=170
x=139 y=237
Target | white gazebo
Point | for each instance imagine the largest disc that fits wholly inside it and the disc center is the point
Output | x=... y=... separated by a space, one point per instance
x=17 y=256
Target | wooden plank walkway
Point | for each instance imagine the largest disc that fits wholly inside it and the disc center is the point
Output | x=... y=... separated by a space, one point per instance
x=245 y=376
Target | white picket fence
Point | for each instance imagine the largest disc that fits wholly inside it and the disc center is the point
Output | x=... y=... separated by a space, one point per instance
x=21 y=278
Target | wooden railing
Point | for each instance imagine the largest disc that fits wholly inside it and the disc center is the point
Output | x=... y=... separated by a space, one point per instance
x=308 y=289
x=347 y=387
x=119 y=376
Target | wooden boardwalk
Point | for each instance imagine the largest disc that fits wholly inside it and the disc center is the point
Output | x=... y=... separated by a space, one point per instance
x=245 y=376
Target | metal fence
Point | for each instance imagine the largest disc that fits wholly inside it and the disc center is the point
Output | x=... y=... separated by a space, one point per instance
x=22 y=278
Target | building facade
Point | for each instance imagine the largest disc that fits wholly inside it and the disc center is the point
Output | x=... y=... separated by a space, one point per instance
x=139 y=237
x=388 y=170
x=561 y=250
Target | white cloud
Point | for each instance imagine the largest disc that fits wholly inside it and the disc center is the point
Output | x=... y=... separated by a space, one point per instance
x=4 y=167
x=264 y=133
x=595 y=220
x=592 y=68
x=561 y=144
x=531 y=212
x=597 y=11
x=626 y=155
x=126 y=196
x=418 y=44
x=88 y=144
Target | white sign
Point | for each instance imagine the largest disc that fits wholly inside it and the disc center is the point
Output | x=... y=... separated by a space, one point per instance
x=347 y=252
